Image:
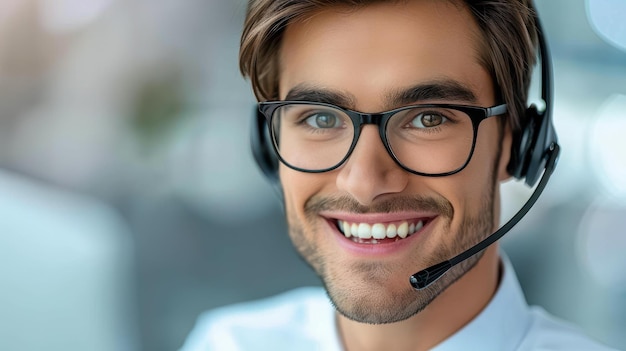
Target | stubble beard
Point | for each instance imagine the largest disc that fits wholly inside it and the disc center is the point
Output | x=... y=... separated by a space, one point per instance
x=373 y=292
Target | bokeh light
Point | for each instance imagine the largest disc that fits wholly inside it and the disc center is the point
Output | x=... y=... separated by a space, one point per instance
x=602 y=16
x=607 y=147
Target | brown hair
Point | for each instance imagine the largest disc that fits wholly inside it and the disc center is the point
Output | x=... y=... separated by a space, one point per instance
x=508 y=29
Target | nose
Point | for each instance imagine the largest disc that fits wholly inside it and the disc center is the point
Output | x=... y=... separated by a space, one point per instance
x=370 y=172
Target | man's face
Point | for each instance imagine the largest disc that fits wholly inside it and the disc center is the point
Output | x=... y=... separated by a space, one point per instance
x=361 y=58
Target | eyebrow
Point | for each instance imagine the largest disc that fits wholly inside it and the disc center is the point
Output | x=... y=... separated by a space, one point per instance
x=305 y=92
x=442 y=89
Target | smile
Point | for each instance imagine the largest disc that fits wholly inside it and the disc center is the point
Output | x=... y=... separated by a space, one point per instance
x=373 y=233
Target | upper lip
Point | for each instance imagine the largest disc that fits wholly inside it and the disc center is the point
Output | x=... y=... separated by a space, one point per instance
x=377 y=217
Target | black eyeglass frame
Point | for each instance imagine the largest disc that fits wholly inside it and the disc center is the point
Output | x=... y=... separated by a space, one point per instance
x=476 y=113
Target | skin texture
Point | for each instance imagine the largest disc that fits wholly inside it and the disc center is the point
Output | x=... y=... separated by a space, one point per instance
x=364 y=57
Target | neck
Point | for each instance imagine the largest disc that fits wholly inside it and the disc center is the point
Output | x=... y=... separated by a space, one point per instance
x=450 y=311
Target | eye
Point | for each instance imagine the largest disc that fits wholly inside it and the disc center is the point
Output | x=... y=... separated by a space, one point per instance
x=428 y=120
x=323 y=120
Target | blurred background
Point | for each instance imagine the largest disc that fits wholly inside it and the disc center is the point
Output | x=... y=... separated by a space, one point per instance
x=129 y=201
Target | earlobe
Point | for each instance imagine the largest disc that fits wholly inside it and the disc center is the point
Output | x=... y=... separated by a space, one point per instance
x=505 y=154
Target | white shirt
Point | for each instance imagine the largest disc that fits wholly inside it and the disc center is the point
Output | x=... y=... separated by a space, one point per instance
x=304 y=319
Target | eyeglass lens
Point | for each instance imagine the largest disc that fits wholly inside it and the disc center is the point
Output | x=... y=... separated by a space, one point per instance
x=429 y=140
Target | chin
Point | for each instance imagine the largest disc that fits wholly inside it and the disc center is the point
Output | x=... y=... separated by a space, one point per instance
x=374 y=293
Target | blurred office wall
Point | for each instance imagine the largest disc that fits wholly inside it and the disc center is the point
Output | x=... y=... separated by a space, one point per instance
x=67 y=271
x=136 y=108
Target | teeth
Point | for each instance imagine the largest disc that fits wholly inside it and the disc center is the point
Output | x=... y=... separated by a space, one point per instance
x=345 y=226
x=354 y=229
x=403 y=230
x=418 y=226
x=378 y=231
x=392 y=231
x=365 y=231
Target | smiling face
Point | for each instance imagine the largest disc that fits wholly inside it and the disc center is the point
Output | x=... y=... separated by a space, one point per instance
x=368 y=225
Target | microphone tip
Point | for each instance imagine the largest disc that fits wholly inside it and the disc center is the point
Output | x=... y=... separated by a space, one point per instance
x=423 y=279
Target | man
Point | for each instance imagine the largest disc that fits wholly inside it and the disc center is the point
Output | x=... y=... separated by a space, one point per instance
x=370 y=197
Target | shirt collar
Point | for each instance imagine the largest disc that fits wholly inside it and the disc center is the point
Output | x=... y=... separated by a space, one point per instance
x=501 y=325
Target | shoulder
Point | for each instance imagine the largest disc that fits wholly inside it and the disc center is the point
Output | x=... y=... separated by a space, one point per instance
x=548 y=333
x=298 y=317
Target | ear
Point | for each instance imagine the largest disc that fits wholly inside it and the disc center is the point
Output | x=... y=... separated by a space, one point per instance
x=505 y=153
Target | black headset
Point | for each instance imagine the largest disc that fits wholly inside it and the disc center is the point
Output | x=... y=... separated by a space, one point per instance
x=531 y=147
x=262 y=150
x=529 y=152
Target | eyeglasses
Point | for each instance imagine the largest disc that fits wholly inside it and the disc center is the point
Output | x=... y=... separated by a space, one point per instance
x=428 y=140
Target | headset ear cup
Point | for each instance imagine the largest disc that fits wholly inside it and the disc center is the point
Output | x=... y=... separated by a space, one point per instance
x=528 y=158
x=543 y=139
x=522 y=143
x=262 y=151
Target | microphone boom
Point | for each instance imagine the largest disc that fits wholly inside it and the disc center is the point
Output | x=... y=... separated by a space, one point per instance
x=422 y=279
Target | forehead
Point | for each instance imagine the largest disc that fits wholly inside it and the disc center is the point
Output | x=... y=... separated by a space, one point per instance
x=370 y=52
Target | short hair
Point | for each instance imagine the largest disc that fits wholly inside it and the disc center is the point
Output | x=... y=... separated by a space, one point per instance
x=508 y=46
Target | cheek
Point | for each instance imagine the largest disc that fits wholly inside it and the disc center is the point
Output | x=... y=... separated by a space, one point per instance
x=299 y=187
x=290 y=185
x=468 y=190
x=484 y=163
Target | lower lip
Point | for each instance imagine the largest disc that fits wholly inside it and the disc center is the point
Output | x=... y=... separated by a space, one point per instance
x=379 y=249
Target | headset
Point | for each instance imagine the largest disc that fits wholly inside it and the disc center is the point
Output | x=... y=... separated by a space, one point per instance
x=263 y=151
x=534 y=154
x=530 y=150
